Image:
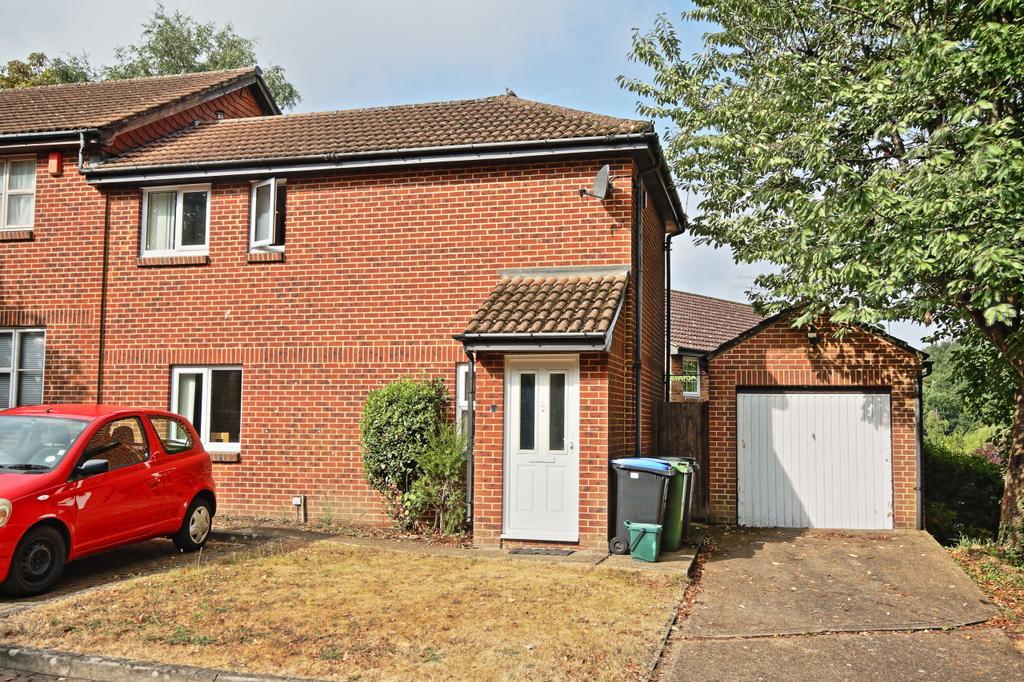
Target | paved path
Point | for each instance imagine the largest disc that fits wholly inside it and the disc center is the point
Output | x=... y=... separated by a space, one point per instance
x=807 y=605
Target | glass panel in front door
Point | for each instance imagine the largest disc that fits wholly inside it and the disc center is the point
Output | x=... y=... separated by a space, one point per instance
x=527 y=403
x=556 y=411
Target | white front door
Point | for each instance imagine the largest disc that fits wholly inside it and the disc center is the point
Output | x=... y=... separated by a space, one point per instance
x=542 y=464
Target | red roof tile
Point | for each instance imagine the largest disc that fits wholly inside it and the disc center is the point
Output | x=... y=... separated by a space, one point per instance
x=702 y=323
x=102 y=103
x=505 y=118
x=561 y=303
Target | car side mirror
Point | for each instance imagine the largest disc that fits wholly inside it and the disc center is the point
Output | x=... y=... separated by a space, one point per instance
x=91 y=467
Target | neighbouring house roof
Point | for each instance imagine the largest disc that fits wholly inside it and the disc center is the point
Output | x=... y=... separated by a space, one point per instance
x=103 y=104
x=330 y=134
x=701 y=324
x=549 y=306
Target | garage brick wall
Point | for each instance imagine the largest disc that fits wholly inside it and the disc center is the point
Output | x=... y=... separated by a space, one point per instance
x=782 y=356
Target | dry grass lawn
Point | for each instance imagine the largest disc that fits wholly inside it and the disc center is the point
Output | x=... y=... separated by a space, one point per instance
x=334 y=611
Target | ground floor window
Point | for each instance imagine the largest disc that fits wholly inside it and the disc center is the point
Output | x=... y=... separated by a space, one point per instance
x=690 y=377
x=462 y=397
x=22 y=357
x=211 y=398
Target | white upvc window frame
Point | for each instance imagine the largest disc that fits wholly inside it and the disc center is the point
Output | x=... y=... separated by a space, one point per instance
x=207 y=373
x=5 y=193
x=682 y=377
x=14 y=370
x=179 y=249
x=265 y=244
x=461 y=392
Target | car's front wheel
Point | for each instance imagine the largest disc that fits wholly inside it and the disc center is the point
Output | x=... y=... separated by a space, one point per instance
x=195 y=529
x=37 y=562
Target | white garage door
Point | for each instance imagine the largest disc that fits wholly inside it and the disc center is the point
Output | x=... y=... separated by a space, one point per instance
x=814 y=460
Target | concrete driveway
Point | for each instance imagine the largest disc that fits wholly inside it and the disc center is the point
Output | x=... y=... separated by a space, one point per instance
x=794 y=605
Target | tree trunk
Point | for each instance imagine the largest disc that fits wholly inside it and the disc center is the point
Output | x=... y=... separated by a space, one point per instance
x=1011 y=511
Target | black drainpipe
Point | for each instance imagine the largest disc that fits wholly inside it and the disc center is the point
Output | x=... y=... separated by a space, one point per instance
x=103 y=295
x=638 y=310
x=926 y=369
x=471 y=431
x=668 y=311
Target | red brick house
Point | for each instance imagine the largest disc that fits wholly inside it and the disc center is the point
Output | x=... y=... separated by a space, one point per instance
x=185 y=245
x=805 y=429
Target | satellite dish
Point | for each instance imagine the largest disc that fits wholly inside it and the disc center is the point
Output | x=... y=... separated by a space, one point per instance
x=602 y=184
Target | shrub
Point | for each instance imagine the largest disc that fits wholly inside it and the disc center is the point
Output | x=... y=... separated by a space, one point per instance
x=962 y=493
x=438 y=496
x=395 y=430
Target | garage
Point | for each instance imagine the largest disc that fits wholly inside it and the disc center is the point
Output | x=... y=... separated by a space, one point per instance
x=802 y=426
x=814 y=459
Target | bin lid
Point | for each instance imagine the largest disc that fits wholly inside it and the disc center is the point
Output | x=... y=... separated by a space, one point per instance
x=683 y=466
x=655 y=466
x=654 y=527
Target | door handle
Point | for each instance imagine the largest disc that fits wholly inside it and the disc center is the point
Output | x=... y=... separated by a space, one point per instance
x=154 y=480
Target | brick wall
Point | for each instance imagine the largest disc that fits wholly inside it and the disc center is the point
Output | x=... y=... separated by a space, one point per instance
x=782 y=356
x=51 y=277
x=380 y=270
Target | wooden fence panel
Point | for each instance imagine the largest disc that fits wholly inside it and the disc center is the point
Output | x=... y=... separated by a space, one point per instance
x=682 y=429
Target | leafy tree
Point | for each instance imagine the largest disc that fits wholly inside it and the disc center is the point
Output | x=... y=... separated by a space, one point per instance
x=38 y=69
x=874 y=150
x=176 y=42
x=944 y=393
x=170 y=43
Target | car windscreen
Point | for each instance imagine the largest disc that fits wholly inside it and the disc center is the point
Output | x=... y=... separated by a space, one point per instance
x=36 y=443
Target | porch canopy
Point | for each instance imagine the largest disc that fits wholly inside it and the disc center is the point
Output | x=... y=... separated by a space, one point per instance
x=549 y=309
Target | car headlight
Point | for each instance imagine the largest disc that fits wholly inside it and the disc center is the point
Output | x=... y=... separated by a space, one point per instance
x=5 y=511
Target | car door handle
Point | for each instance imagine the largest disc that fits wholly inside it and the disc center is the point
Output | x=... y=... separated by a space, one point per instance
x=154 y=480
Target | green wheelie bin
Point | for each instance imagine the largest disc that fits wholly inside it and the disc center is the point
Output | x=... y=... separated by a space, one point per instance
x=677 y=503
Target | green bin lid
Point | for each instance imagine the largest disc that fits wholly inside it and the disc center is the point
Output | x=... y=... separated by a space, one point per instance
x=682 y=467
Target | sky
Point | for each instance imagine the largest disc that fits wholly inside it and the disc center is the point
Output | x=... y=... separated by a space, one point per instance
x=350 y=53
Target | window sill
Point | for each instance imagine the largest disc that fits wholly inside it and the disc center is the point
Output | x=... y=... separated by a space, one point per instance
x=169 y=261
x=225 y=457
x=265 y=257
x=26 y=235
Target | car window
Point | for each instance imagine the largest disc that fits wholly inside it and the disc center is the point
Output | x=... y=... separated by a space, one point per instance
x=173 y=434
x=31 y=443
x=121 y=442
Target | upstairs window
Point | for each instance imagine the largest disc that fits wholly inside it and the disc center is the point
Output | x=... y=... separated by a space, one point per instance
x=266 y=222
x=17 y=193
x=22 y=357
x=175 y=220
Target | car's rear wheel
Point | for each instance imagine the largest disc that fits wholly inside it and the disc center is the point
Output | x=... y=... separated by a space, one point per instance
x=195 y=529
x=37 y=562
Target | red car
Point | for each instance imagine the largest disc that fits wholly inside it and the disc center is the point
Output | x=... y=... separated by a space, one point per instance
x=80 y=479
